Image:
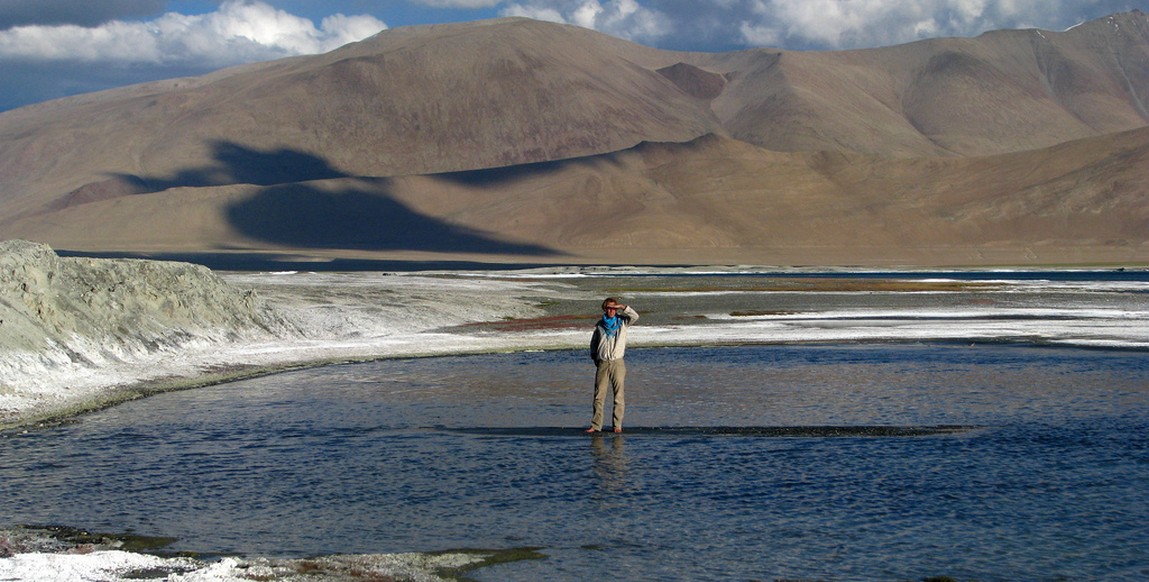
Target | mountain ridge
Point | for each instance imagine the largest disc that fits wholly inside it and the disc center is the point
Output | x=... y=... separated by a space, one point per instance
x=408 y=127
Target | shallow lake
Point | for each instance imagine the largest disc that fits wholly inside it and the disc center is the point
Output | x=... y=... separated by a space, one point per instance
x=1039 y=469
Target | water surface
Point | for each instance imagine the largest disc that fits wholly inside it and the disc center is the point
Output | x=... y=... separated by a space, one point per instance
x=487 y=452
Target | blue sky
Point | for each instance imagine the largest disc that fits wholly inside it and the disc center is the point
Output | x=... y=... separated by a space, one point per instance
x=56 y=48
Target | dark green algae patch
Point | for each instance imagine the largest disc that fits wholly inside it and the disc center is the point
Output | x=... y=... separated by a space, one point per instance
x=64 y=539
x=446 y=565
x=489 y=558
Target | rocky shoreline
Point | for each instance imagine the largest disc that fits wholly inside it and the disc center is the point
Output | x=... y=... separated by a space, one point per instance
x=81 y=334
x=63 y=321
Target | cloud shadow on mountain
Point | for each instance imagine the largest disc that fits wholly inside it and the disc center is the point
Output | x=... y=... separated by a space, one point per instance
x=238 y=164
x=304 y=216
x=294 y=211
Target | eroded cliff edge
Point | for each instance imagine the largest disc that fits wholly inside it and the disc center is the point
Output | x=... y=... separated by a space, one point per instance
x=65 y=320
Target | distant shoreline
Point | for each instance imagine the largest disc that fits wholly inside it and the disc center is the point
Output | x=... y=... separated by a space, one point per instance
x=363 y=316
x=416 y=262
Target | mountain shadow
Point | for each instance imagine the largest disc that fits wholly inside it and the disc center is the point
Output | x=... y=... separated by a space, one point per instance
x=233 y=164
x=500 y=176
x=238 y=164
x=294 y=211
x=305 y=216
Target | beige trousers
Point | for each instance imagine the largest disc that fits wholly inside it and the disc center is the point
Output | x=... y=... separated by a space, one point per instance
x=609 y=373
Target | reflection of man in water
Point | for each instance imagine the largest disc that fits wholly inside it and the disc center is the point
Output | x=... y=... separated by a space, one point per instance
x=607 y=347
x=609 y=466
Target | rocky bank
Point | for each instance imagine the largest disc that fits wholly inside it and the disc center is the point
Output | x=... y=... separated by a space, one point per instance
x=80 y=315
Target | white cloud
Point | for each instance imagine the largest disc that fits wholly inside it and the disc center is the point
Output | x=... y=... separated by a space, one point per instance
x=622 y=18
x=587 y=15
x=806 y=24
x=240 y=31
x=535 y=12
x=834 y=23
x=842 y=24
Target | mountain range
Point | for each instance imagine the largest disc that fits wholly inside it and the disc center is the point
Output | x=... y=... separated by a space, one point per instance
x=519 y=141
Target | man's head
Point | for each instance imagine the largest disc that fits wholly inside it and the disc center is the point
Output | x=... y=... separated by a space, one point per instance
x=610 y=305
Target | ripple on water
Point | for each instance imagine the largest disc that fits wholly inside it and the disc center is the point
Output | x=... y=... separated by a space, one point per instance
x=844 y=462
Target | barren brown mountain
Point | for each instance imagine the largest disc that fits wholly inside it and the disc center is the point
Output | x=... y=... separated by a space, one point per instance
x=521 y=141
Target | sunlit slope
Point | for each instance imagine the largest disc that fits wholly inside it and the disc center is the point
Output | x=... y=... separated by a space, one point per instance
x=711 y=200
x=532 y=141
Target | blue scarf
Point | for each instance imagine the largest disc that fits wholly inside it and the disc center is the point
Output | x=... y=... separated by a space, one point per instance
x=610 y=325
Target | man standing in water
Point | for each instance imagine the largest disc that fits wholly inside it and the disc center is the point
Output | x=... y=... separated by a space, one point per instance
x=607 y=347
